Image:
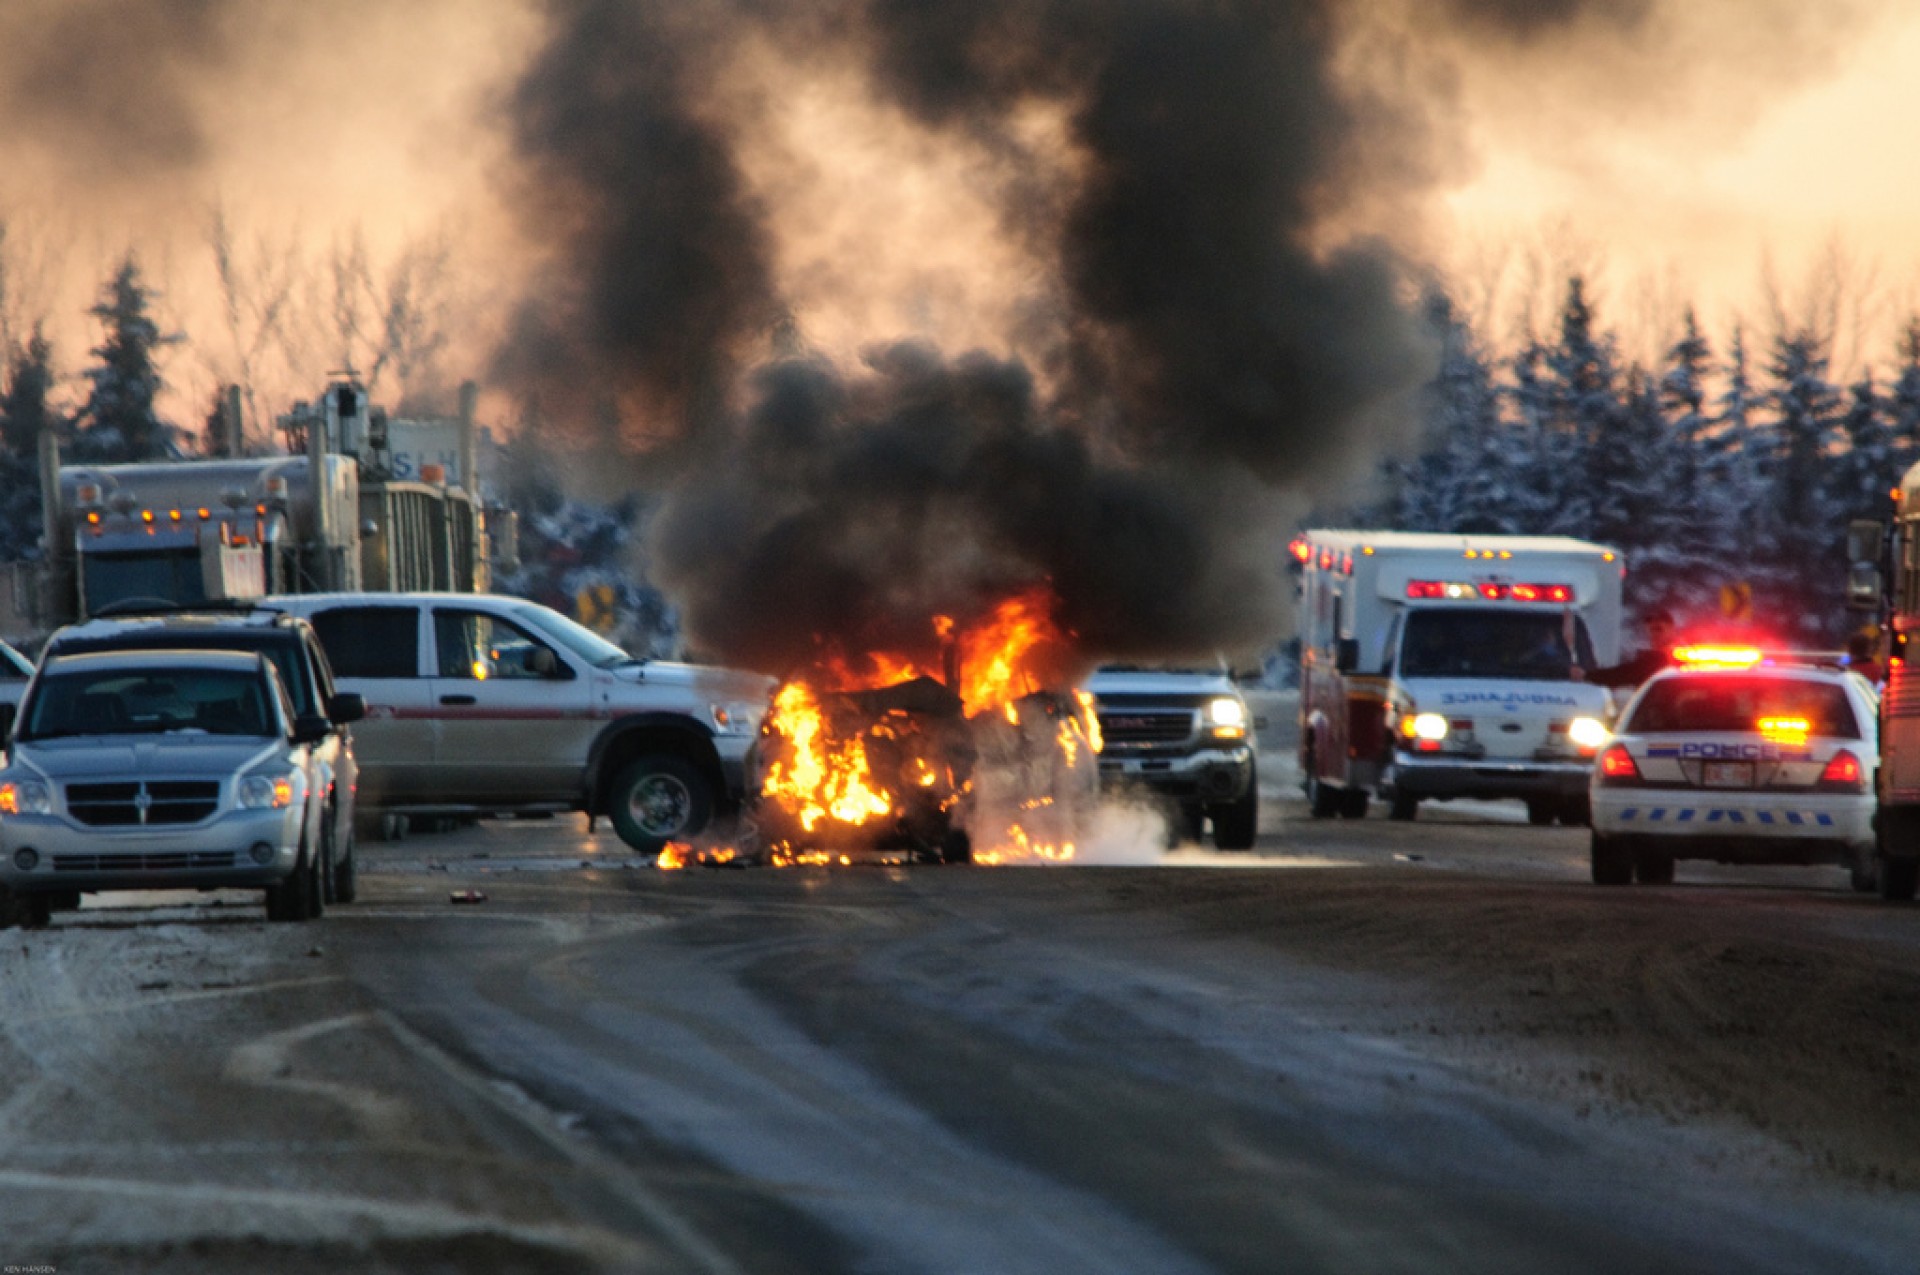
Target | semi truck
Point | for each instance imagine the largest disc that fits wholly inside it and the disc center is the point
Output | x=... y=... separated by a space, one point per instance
x=1883 y=578
x=1437 y=666
x=229 y=530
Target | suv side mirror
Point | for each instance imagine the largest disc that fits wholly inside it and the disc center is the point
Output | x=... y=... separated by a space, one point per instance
x=308 y=729
x=347 y=706
x=1346 y=654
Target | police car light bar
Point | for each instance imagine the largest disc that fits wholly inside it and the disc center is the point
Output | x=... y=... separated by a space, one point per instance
x=1719 y=656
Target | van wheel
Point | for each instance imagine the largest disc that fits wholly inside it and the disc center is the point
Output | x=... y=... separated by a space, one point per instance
x=656 y=800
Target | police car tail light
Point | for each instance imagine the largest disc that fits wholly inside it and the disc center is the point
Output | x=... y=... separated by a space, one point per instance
x=1844 y=773
x=1718 y=656
x=1616 y=766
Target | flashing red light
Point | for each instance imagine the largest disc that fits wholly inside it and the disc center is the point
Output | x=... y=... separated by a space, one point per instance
x=1346 y=564
x=1844 y=771
x=1426 y=589
x=1326 y=559
x=1493 y=592
x=1302 y=551
x=1719 y=656
x=1616 y=764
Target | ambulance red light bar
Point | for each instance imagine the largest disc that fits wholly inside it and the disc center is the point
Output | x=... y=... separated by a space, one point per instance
x=1489 y=591
x=1302 y=551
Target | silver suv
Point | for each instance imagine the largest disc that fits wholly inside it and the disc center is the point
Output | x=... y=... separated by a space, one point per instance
x=480 y=702
x=1186 y=736
x=146 y=770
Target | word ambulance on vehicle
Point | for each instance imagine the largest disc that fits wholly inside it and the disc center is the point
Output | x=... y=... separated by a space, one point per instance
x=1438 y=666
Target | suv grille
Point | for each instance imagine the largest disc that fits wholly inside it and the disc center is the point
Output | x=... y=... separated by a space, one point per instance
x=1138 y=727
x=122 y=804
x=181 y=861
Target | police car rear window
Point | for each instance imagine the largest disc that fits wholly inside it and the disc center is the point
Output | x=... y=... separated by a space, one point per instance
x=1739 y=704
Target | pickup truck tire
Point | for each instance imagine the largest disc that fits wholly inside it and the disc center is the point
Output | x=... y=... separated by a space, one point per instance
x=658 y=799
x=28 y=911
x=1235 y=825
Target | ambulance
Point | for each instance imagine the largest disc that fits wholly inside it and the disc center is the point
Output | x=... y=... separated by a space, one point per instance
x=1437 y=666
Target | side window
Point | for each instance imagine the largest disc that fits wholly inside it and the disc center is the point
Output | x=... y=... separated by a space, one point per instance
x=475 y=645
x=371 y=641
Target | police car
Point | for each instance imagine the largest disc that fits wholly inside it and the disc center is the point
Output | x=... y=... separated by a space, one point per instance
x=1737 y=756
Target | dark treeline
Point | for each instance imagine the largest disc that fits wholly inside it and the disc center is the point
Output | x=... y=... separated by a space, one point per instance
x=1726 y=465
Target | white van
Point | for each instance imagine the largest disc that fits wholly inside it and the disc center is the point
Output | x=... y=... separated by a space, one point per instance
x=1436 y=666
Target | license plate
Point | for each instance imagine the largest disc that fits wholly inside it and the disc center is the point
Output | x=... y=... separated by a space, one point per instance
x=1728 y=774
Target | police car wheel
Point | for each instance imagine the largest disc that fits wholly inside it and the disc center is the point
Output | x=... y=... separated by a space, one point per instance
x=1651 y=867
x=1898 y=879
x=1612 y=862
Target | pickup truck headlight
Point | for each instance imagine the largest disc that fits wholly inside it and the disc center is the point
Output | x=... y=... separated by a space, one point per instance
x=25 y=797
x=1227 y=718
x=736 y=719
x=266 y=792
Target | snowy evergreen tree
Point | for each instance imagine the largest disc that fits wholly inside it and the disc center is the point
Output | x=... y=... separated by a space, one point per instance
x=1701 y=482
x=25 y=414
x=1459 y=482
x=1858 y=480
x=1903 y=401
x=1582 y=386
x=118 y=422
x=1798 y=523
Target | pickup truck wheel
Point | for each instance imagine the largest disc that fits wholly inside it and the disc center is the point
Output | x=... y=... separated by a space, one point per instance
x=1612 y=862
x=1234 y=826
x=656 y=800
x=28 y=911
x=1899 y=879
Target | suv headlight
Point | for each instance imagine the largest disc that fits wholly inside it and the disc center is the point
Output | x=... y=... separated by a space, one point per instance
x=25 y=797
x=1226 y=718
x=266 y=792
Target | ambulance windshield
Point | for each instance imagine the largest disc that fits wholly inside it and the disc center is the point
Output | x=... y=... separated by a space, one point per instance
x=1481 y=642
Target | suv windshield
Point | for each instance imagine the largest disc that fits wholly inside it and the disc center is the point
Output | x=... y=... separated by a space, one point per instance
x=1738 y=704
x=144 y=702
x=1523 y=645
x=281 y=646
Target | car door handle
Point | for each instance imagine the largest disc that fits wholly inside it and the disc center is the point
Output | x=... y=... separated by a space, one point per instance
x=457 y=699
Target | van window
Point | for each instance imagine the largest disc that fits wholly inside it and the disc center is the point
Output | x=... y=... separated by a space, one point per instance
x=370 y=641
x=1480 y=642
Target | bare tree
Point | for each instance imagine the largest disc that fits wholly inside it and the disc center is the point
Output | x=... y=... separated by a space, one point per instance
x=256 y=297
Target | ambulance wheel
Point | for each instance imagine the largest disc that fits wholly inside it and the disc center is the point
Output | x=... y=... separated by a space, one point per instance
x=1612 y=862
x=1651 y=867
x=1403 y=806
x=1863 y=874
x=1575 y=812
x=1323 y=799
x=1354 y=804
x=1899 y=879
x=1540 y=811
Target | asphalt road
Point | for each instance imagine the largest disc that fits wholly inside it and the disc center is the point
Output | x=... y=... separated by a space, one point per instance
x=1366 y=1047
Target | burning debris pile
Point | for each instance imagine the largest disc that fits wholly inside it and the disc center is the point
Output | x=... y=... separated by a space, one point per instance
x=988 y=761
